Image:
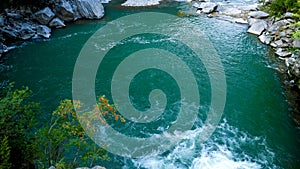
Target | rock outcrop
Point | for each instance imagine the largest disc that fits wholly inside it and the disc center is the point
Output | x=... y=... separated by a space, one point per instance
x=21 y=25
x=90 y=9
x=44 y=16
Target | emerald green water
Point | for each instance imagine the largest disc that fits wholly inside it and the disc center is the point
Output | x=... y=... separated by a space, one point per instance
x=256 y=130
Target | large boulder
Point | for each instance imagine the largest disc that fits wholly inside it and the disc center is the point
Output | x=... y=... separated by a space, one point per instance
x=257 y=27
x=258 y=14
x=90 y=9
x=57 y=23
x=277 y=25
x=44 y=16
x=64 y=10
x=43 y=31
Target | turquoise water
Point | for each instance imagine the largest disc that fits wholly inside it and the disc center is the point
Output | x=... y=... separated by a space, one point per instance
x=256 y=130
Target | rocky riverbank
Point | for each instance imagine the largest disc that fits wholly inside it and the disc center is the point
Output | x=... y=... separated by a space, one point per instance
x=25 y=23
x=270 y=30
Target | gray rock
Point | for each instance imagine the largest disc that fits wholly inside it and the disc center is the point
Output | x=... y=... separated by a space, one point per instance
x=287 y=15
x=293 y=64
x=43 y=31
x=44 y=16
x=277 y=25
x=26 y=32
x=196 y=5
x=273 y=45
x=258 y=27
x=98 y=167
x=13 y=15
x=208 y=7
x=9 y=33
x=2 y=22
x=240 y=20
x=64 y=11
x=57 y=23
x=231 y=11
x=225 y=18
x=265 y=39
x=52 y=167
x=258 y=14
x=280 y=52
x=3 y=48
x=252 y=7
x=90 y=9
x=296 y=44
x=141 y=2
x=287 y=40
x=279 y=43
x=251 y=21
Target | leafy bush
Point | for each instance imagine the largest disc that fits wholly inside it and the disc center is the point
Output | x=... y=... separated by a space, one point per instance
x=279 y=7
x=16 y=123
x=4 y=153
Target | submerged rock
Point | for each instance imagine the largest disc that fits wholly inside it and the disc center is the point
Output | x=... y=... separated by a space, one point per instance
x=57 y=23
x=90 y=9
x=43 y=31
x=44 y=16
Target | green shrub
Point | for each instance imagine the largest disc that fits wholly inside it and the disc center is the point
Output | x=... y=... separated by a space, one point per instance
x=4 y=153
x=279 y=7
x=17 y=123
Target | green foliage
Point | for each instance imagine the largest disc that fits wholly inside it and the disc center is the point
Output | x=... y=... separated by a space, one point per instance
x=16 y=123
x=296 y=35
x=62 y=142
x=4 y=153
x=279 y=7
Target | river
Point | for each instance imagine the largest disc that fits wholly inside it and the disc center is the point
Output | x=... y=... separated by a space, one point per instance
x=256 y=130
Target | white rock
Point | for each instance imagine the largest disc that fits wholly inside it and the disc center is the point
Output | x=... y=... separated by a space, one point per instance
x=265 y=39
x=57 y=23
x=141 y=2
x=258 y=14
x=44 y=16
x=90 y=9
x=258 y=27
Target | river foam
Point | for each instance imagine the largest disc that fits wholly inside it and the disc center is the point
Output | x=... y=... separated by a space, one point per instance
x=225 y=149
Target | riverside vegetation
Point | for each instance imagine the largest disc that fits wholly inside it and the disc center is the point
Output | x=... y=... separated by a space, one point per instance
x=62 y=142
